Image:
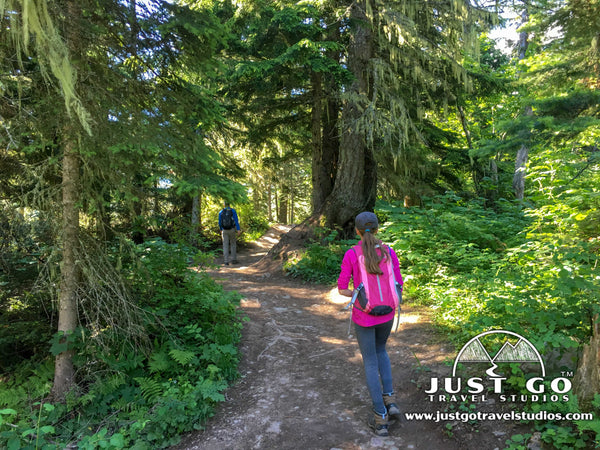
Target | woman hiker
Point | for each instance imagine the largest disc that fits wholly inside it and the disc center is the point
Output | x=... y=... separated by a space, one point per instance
x=374 y=268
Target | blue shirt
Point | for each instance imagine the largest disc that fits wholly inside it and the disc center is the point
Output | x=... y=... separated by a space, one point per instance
x=235 y=219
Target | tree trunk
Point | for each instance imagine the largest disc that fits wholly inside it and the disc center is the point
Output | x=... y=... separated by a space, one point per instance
x=355 y=185
x=137 y=225
x=283 y=208
x=476 y=172
x=64 y=374
x=292 y=216
x=195 y=223
x=104 y=229
x=519 y=176
x=319 y=193
x=523 y=153
x=67 y=301
x=587 y=378
x=325 y=132
x=492 y=194
x=523 y=35
x=270 y=202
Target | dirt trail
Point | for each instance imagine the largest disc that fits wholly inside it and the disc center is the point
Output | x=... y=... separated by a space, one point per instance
x=302 y=385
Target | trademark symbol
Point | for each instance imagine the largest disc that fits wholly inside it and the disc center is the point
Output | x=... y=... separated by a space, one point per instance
x=567 y=374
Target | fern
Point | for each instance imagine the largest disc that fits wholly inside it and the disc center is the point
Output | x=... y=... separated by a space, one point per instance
x=113 y=382
x=159 y=362
x=151 y=389
x=182 y=357
x=122 y=404
x=84 y=400
x=12 y=395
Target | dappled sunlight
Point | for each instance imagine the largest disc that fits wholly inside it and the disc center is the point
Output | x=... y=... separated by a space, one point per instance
x=334 y=297
x=356 y=358
x=250 y=303
x=334 y=341
x=268 y=240
x=410 y=318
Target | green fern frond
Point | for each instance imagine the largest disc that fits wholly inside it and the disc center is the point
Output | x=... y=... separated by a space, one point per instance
x=87 y=399
x=159 y=362
x=151 y=389
x=121 y=404
x=12 y=395
x=182 y=357
x=112 y=383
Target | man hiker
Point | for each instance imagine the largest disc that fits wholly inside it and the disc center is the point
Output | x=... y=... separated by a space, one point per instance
x=230 y=227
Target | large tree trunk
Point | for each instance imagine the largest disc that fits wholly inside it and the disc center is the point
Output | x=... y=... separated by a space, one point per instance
x=282 y=209
x=270 y=202
x=325 y=131
x=355 y=185
x=587 y=378
x=319 y=190
x=330 y=142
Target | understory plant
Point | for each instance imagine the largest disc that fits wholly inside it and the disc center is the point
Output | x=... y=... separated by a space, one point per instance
x=321 y=260
x=139 y=393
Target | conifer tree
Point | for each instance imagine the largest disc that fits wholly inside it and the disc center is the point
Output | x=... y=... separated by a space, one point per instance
x=135 y=112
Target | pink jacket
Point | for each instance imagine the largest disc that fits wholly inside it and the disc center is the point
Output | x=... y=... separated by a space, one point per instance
x=350 y=270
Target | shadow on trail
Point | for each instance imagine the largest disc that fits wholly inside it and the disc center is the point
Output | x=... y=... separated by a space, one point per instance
x=301 y=382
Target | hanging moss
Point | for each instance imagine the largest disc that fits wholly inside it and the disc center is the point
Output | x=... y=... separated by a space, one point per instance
x=32 y=27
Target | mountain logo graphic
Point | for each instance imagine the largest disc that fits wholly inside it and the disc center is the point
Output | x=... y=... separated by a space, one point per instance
x=522 y=351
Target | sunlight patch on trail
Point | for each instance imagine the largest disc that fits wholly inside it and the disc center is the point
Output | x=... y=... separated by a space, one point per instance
x=410 y=318
x=334 y=297
x=330 y=340
x=250 y=303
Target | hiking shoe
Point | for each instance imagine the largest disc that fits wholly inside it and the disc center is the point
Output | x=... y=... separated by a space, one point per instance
x=378 y=423
x=226 y=264
x=392 y=407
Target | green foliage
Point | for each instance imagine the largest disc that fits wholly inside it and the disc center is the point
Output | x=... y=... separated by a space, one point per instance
x=321 y=261
x=528 y=270
x=24 y=322
x=137 y=397
x=253 y=224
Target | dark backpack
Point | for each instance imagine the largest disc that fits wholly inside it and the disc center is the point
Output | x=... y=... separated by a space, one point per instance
x=227 y=221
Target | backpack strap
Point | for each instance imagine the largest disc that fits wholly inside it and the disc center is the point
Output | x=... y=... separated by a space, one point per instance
x=399 y=294
x=356 y=288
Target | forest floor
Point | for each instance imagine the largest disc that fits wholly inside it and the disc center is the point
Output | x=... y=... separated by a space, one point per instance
x=301 y=382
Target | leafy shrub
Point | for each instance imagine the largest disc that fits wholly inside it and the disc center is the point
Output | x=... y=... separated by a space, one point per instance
x=254 y=225
x=320 y=262
x=136 y=396
x=527 y=270
x=25 y=323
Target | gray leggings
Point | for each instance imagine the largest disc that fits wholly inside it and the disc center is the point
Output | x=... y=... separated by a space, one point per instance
x=378 y=369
